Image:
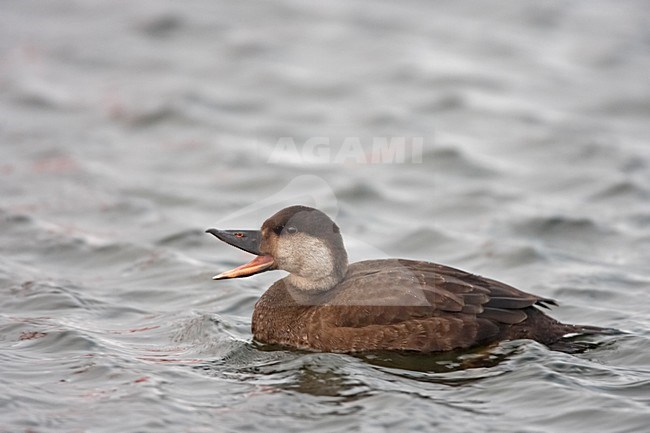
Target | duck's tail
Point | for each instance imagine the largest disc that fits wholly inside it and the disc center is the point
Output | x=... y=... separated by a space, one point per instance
x=577 y=330
x=572 y=341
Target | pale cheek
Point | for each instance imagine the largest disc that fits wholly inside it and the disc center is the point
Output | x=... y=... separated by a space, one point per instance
x=304 y=256
x=285 y=257
x=320 y=261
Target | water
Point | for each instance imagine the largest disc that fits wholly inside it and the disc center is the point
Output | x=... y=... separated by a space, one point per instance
x=127 y=128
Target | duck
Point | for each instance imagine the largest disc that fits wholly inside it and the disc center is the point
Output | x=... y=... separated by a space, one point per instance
x=326 y=304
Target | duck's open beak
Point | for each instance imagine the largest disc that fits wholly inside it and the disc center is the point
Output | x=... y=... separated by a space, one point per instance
x=255 y=266
x=249 y=241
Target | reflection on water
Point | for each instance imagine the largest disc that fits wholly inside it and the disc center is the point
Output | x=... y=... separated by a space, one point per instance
x=478 y=358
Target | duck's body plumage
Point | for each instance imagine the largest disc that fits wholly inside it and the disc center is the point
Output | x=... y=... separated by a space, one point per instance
x=398 y=304
x=324 y=304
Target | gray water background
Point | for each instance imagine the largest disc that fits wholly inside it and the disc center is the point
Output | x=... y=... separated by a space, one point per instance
x=127 y=128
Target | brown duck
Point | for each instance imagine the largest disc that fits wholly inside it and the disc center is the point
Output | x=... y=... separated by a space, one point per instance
x=326 y=305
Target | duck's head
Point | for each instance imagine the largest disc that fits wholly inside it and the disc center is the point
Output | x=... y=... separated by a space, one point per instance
x=298 y=239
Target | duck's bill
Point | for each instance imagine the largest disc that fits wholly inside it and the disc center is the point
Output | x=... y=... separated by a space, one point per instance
x=247 y=240
x=255 y=266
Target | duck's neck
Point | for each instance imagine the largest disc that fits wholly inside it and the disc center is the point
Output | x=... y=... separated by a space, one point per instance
x=305 y=291
x=304 y=288
x=310 y=285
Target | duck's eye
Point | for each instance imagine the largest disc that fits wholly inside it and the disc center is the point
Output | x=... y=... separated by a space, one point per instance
x=278 y=230
x=292 y=230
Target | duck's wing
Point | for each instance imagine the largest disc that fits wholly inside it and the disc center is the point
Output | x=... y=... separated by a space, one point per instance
x=475 y=294
x=423 y=305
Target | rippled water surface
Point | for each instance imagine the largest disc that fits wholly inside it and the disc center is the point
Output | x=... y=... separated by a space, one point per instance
x=128 y=128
